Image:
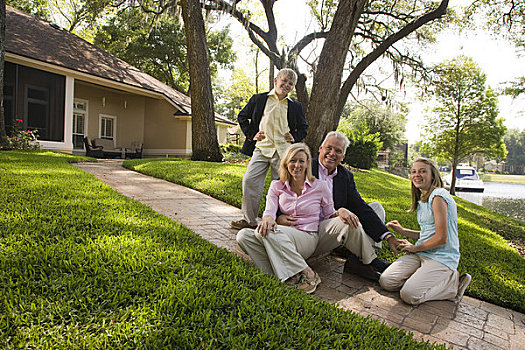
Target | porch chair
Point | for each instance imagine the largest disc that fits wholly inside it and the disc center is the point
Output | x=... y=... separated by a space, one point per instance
x=108 y=148
x=136 y=150
x=93 y=151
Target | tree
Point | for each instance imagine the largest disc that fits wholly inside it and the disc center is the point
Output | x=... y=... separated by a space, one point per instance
x=465 y=120
x=369 y=28
x=205 y=145
x=3 y=135
x=236 y=95
x=158 y=46
x=515 y=145
x=383 y=120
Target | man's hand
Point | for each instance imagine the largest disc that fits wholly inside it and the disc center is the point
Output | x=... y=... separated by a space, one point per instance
x=266 y=225
x=396 y=226
x=289 y=138
x=286 y=220
x=259 y=136
x=348 y=217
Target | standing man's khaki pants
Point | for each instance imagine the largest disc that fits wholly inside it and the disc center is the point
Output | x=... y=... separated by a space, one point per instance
x=419 y=279
x=253 y=183
x=282 y=253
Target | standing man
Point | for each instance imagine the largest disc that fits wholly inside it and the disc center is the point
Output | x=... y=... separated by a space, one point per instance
x=359 y=226
x=270 y=121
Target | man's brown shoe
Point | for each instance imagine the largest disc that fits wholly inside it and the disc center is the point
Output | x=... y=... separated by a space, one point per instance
x=240 y=224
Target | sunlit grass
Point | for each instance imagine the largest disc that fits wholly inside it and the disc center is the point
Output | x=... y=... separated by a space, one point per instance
x=83 y=267
x=484 y=235
x=517 y=179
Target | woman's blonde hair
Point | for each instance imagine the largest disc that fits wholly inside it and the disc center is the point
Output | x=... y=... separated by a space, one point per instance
x=295 y=148
x=437 y=182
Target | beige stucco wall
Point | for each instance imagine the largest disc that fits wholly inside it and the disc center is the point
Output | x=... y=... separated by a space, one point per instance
x=165 y=134
x=128 y=109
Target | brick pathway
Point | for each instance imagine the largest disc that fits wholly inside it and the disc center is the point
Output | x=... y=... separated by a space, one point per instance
x=473 y=324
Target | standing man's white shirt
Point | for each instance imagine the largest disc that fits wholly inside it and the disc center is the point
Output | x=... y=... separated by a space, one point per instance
x=274 y=124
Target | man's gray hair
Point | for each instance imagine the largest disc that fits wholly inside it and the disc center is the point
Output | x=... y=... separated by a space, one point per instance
x=289 y=73
x=340 y=136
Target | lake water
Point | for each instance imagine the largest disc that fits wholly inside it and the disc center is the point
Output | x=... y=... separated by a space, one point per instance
x=504 y=198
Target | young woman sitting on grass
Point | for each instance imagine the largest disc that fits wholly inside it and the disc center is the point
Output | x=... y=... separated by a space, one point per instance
x=429 y=269
x=282 y=250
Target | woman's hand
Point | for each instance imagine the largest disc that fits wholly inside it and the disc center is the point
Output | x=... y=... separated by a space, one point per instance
x=266 y=225
x=406 y=246
x=348 y=217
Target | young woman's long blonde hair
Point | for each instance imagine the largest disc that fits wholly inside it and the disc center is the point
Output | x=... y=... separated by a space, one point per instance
x=437 y=182
x=295 y=148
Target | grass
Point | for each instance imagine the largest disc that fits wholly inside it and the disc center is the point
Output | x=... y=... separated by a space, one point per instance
x=486 y=237
x=83 y=267
x=516 y=179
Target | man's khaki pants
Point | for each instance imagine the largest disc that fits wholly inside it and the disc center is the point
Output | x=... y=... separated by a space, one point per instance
x=282 y=253
x=253 y=183
x=334 y=233
x=419 y=279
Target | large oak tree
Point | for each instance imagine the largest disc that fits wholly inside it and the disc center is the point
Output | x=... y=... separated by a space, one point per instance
x=204 y=140
x=360 y=32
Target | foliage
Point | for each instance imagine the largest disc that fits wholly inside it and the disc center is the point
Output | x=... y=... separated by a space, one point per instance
x=506 y=18
x=232 y=153
x=515 y=88
x=22 y=139
x=383 y=120
x=235 y=96
x=515 y=145
x=495 y=265
x=38 y=8
x=465 y=121
x=364 y=145
x=84 y=267
x=158 y=46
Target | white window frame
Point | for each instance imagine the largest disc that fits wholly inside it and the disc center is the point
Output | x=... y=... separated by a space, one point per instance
x=80 y=111
x=106 y=116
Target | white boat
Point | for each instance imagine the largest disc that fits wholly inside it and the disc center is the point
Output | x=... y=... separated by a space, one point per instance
x=467 y=179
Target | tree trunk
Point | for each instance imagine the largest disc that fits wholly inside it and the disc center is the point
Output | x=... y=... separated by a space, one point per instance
x=204 y=134
x=327 y=79
x=3 y=136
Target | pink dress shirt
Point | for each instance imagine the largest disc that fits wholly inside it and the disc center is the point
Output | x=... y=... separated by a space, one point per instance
x=315 y=198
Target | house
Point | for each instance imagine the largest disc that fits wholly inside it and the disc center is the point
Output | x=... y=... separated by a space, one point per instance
x=67 y=88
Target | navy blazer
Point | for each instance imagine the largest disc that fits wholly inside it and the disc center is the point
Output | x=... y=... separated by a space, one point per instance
x=250 y=117
x=346 y=196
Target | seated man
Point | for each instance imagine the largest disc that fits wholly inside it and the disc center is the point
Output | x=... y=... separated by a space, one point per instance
x=359 y=226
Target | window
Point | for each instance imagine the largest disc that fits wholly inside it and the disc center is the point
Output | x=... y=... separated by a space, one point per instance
x=107 y=127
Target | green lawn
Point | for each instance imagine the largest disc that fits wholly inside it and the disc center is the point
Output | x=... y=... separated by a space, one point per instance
x=83 y=267
x=516 y=179
x=485 y=236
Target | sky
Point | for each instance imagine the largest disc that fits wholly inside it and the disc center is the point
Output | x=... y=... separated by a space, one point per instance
x=497 y=58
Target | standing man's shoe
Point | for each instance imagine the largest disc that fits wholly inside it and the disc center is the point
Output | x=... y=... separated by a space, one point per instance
x=355 y=266
x=240 y=224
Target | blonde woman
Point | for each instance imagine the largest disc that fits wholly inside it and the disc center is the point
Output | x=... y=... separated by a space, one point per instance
x=282 y=250
x=429 y=269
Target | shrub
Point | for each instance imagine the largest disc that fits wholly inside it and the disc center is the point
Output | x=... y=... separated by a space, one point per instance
x=22 y=139
x=364 y=147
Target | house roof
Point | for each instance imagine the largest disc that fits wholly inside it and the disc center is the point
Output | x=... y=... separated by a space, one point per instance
x=34 y=38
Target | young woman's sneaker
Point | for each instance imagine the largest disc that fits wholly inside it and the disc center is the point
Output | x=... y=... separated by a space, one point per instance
x=309 y=285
